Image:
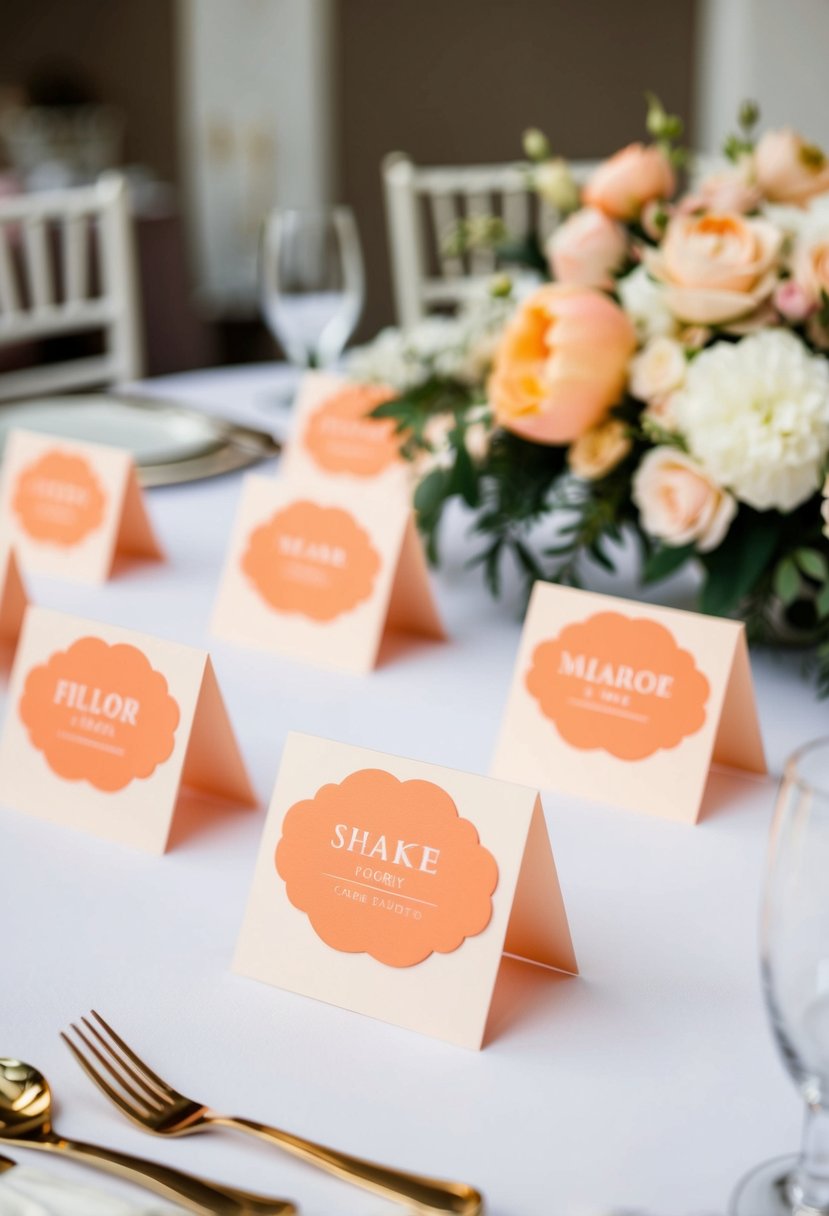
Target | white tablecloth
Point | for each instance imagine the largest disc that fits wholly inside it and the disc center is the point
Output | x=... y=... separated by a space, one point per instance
x=651 y=1081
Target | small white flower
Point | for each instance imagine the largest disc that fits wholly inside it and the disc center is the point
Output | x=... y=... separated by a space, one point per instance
x=658 y=370
x=755 y=414
x=643 y=299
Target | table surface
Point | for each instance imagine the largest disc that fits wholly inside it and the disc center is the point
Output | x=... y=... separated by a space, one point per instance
x=649 y=1082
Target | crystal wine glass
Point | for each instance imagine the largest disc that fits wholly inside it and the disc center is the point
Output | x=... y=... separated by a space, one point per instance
x=312 y=281
x=795 y=969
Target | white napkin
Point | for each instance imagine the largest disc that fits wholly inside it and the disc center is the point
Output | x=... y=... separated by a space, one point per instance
x=28 y=1192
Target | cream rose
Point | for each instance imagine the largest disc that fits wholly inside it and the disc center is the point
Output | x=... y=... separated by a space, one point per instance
x=586 y=249
x=657 y=370
x=678 y=503
x=599 y=450
x=716 y=267
x=623 y=184
x=789 y=170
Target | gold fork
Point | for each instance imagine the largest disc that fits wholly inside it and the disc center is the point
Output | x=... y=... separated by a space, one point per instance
x=150 y=1102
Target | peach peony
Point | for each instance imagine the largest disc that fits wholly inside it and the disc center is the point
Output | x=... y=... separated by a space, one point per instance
x=788 y=170
x=562 y=363
x=716 y=267
x=586 y=249
x=679 y=503
x=623 y=184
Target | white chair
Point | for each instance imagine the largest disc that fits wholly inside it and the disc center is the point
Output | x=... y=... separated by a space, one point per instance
x=50 y=244
x=423 y=204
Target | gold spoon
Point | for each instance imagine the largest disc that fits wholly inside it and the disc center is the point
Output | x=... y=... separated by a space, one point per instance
x=26 y=1116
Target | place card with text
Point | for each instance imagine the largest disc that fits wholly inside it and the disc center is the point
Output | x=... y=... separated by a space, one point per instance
x=627 y=702
x=393 y=888
x=71 y=508
x=335 y=436
x=104 y=725
x=13 y=598
x=323 y=577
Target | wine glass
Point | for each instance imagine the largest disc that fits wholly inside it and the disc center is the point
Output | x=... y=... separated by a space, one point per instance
x=795 y=970
x=312 y=281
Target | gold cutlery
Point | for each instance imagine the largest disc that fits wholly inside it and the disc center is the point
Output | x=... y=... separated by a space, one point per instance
x=150 y=1102
x=26 y=1117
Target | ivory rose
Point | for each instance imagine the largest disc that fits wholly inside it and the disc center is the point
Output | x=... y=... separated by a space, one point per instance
x=716 y=267
x=599 y=450
x=789 y=170
x=679 y=504
x=586 y=249
x=553 y=181
x=657 y=370
x=562 y=363
x=623 y=184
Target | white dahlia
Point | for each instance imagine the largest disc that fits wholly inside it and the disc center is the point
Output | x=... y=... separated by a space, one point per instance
x=755 y=414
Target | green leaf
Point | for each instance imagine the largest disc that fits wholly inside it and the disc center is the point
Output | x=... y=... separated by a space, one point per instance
x=465 y=477
x=741 y=560
x=786 y=581
x=813 y=564
x=822 y=602
x=665 y=560
x=431 y=492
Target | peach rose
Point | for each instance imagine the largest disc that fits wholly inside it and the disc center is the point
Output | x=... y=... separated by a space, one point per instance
x=623 y=184
x=586 y=249
x=789 y=170
x=810 y=267
x=732 y=189
x=716 y=267
x=599 y=450
x=678 y=502
x=562 y=363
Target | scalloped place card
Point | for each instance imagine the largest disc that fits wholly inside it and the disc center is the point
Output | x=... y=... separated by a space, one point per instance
x=393 y=888
x=70 y=509
x=104 y=726
x=13 y=599
x=323 y=575
x=628 y=703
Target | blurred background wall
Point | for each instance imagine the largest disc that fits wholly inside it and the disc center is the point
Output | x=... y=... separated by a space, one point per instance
x=227 y=107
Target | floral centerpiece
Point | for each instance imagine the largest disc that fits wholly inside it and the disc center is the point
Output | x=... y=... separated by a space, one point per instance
x=672 y=380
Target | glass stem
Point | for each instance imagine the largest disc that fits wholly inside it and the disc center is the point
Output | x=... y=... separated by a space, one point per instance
x=809 y=1185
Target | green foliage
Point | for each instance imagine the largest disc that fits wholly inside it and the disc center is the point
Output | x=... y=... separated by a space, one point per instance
x=735 y=568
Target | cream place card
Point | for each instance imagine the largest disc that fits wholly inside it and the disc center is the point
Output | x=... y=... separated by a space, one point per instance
x=393 y=888
x=334 y=435
x=627 y=703
x=322 y=577
x=71 y=508
x=13 y=599
x=105 y=725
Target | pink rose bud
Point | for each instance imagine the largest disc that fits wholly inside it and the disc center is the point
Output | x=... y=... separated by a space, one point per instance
x=792 y=302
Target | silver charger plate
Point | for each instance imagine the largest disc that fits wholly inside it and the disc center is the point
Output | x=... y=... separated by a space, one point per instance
x=169 y=442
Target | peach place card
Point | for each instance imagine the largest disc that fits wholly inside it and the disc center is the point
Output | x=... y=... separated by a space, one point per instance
x=627 y=702
x=323 y=576
x=13 y=598
x=105 y=725
x=393 y=888
x=71 y=508
x=335 y=436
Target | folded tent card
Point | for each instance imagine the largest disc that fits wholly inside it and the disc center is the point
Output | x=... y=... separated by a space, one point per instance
x=627 y=702
x=104 y=725
x=323 y=573
x=335 y=437
x=70 y=508
x=393 y=888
